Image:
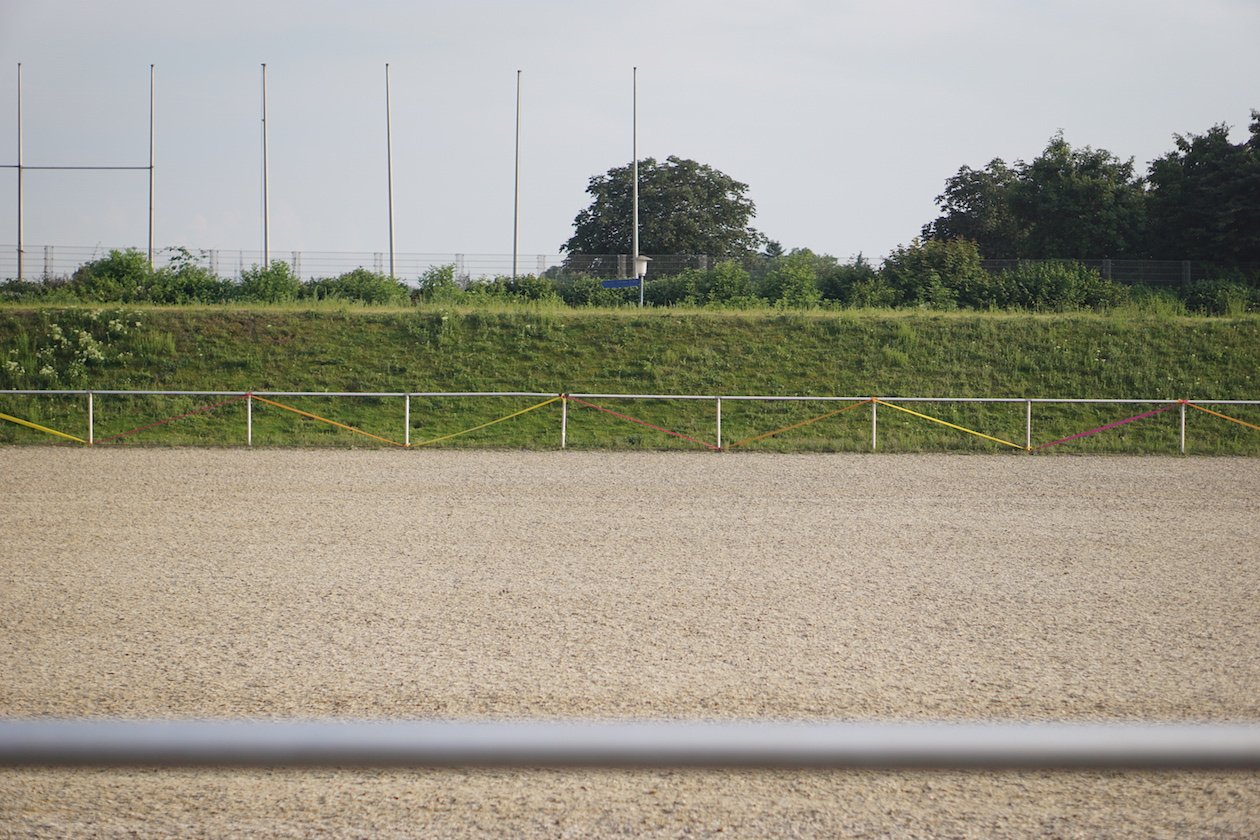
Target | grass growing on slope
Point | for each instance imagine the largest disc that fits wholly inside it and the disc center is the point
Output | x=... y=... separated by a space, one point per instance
x=850 y=353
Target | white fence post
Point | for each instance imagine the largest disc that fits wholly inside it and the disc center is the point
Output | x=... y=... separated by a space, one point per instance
x=92 y=422
x=564 y=421
x=249 y=419
x=407 y=421
x=1028 y=425
x=719 y=422
x=1183 y=428
x=874 y=421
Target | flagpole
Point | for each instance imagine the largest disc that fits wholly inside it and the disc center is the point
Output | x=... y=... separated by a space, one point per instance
x=634 y=192
x=266 y=208
x=516 y=191
x=389 y=166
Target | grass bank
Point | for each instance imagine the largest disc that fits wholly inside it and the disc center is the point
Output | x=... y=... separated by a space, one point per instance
x=858 y=353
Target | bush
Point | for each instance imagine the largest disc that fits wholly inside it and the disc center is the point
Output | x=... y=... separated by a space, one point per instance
x=1221 y=297
x=792 y=281
x=437 y=285
x=673 y=289
x=1056 y=286
x=726 y=284
x=581 y=290
x=121 y=276
x=938 y=274
x=185 y=281
x=836 y=282
x=360 y=286
x=57 y=289
x=274 y=284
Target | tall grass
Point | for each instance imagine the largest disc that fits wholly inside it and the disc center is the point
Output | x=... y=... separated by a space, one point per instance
x=1146 y=350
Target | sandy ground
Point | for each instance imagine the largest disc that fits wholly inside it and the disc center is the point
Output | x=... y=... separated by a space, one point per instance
x=368 y=584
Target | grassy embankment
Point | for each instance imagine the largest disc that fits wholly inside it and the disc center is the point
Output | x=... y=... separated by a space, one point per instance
x=331 y=348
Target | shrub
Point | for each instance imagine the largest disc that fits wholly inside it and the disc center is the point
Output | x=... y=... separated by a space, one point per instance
x=938 y=274
x=186 y=281
x=274 y=284
x=359 y=285
x=582 y=290
x=1057 y=286
x=836 y=282
x=673 y=289
x=437 y=285
x=120 y=276
x=1221 y=297
x=792 y=281
x=726 y=284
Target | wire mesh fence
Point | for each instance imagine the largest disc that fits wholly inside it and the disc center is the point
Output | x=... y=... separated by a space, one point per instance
x=52 y=263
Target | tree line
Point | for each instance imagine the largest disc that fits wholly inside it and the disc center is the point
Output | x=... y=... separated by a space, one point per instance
x=1200 y=202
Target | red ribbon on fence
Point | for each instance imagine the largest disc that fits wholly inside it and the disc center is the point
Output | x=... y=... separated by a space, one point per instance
x=202 y=410
x=630 y=419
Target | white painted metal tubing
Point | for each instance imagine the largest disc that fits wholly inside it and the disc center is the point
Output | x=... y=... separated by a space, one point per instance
x=744 y=744
x=644 y=396
x=481 y=394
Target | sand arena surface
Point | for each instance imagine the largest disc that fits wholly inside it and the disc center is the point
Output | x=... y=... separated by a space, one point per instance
x=369 y=584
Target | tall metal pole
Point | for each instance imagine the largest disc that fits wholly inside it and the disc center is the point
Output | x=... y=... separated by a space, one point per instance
x=150 y=166
x=21 y=227
x=389 y=164
x=634 y=192
x=266 y=209
x=516 y=191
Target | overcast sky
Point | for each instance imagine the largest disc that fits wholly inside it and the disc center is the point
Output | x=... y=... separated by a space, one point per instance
x=843 y=117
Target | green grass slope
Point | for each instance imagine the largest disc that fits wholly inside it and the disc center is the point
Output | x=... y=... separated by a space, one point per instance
x=628 y=352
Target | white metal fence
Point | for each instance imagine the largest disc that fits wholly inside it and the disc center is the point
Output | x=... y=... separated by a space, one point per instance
x=654 y=744
x=872 y=404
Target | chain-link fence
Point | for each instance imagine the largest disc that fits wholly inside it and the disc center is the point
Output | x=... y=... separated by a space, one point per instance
x=59 y=262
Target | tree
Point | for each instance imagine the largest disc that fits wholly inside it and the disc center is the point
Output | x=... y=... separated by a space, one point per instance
x=685 y=207
x=1204 y=201
x=976 y=205
x=1066 y=203
x=1080 y=203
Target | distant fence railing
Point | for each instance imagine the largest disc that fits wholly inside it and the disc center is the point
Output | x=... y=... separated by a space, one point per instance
x=1141 y=272
x=59 y=262
x=273 y=399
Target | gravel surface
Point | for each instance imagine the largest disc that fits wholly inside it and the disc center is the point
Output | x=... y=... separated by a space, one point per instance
x=371 y=584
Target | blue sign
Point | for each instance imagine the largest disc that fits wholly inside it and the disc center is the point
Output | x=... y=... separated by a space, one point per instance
x=620 y=284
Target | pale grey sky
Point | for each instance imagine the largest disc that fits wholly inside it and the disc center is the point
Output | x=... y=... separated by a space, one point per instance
x=843 y=117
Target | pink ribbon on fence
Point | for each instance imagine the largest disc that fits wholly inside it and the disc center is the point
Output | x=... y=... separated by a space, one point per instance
x=1108 y=426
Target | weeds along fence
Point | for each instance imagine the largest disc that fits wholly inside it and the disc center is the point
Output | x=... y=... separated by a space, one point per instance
x=717 y=423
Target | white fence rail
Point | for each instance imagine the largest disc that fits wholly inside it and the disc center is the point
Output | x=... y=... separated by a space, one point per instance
x=656 y=744
x=874 y=403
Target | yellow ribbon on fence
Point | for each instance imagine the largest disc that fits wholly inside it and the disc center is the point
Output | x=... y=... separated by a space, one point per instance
x=491 y=423
x=40 y=428
x=326 y=420
x=950 y=425
x=798 y=425
x=1222 y=416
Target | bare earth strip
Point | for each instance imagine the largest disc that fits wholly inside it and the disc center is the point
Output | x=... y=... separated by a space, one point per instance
x=370 y=584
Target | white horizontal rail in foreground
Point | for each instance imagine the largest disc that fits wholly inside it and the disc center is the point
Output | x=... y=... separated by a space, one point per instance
x=748 y=744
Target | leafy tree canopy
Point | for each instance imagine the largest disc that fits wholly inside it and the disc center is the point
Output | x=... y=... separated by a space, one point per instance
x=685 y=207
x=1066 y=203
x=1204 y=200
